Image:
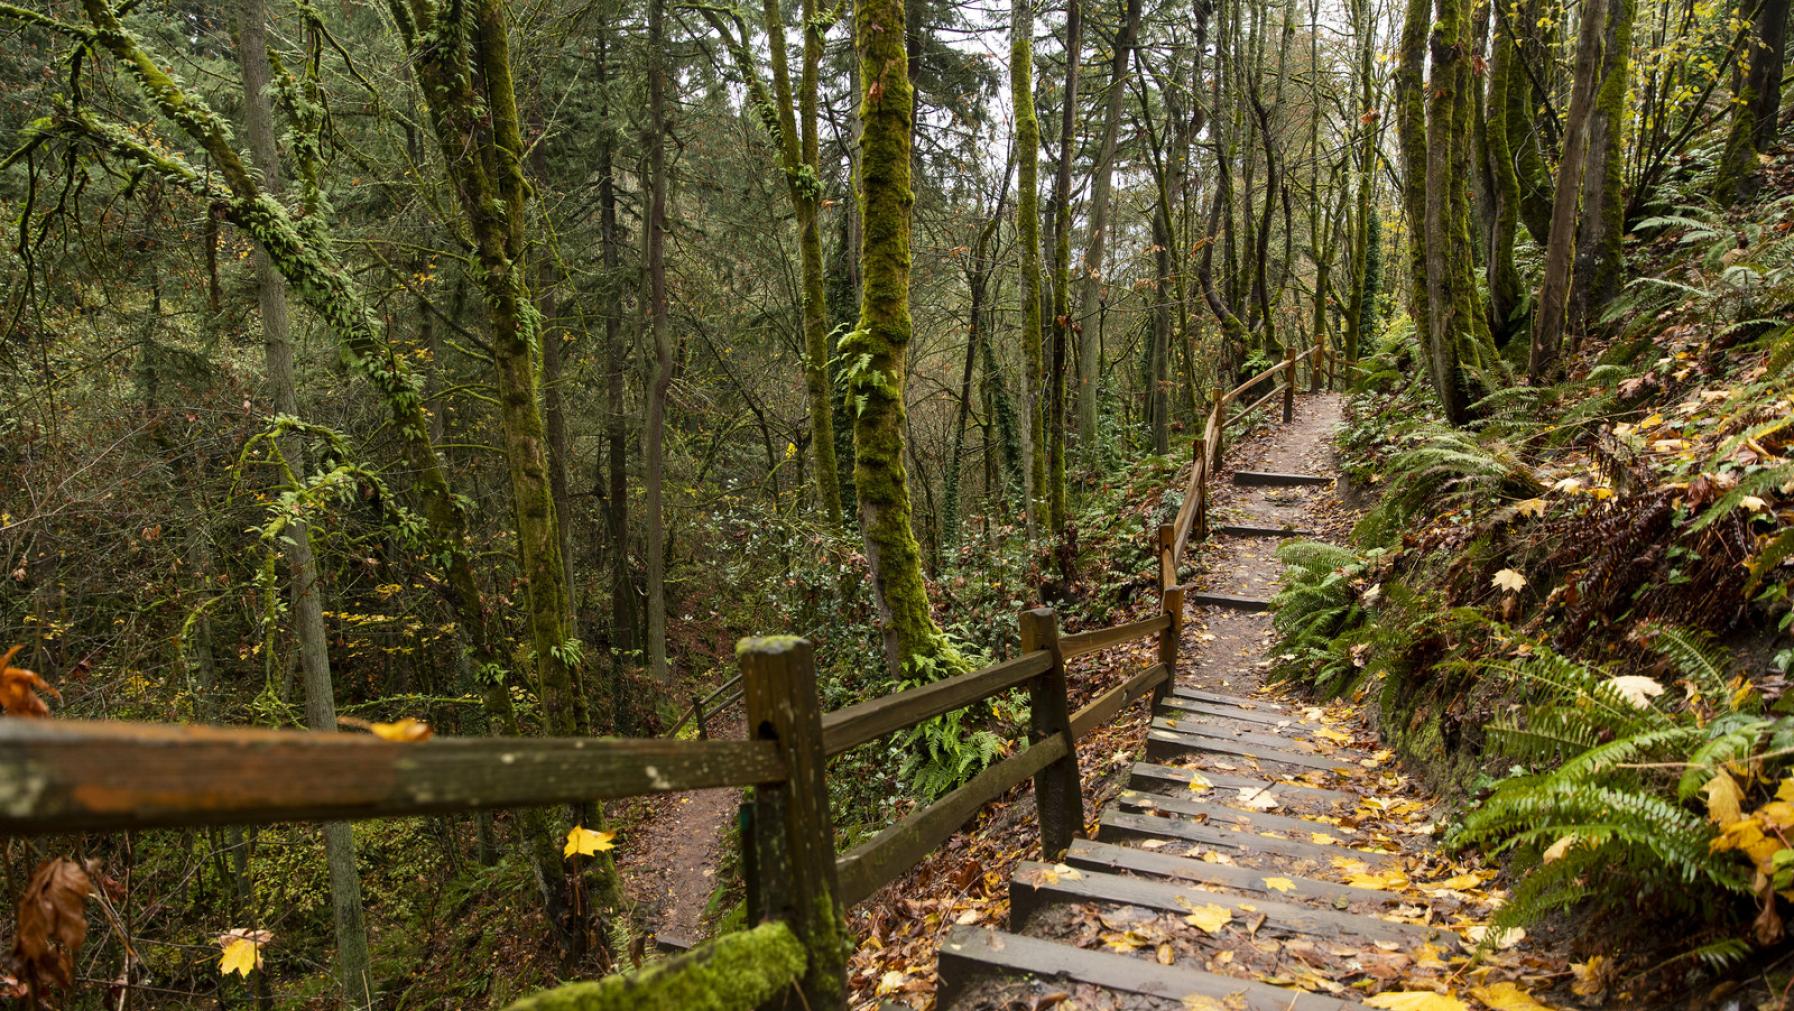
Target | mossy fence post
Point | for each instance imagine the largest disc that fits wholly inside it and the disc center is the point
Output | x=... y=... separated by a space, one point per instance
x=1220 y=410
x=1171 y=602
x=1315 y=358
x=1199 y=523
x=790 y=835
x=1057 y=793
x=1167 y=545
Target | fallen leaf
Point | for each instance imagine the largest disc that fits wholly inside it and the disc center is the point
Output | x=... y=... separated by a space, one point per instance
x=1507 y=996
x=1280 y=884
x=405 y=731
x=1209 y=918
x=1724 y=799
x=1416 y=1000
x=1509 y=580
x=1530 y=507
x=585 y=842
x=1590 y=978
x=1635 y=688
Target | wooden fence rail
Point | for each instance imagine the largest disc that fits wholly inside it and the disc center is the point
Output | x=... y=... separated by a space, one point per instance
x=75 y=776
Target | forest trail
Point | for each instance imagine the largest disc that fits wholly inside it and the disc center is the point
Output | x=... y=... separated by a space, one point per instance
x=671 y=869
x=1266 y=854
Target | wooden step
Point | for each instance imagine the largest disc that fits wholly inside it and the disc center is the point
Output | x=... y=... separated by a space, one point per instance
x=1247 y=530
x=1251 y=604
x=1263 y=478
x=1234 y=701
x=1218 y=810
x=1240 y=733
x=1117 y=824
x=1186 y=705
x=969 y=952
x=1089 y=854
x=1162 y=744
x=1149 y=777
x=1036 y=885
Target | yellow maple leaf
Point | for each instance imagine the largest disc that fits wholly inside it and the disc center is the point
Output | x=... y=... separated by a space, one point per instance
x=1416 y=1000
x=1209 y=918
x=1558 y=849
x=1591 y=976
x=1124 y=942
x=1507 y=997
x=585 y=842
x=1333 y=735
x=1456 y=884
x=1531 y=506
x=1509 y=580
x=1280 y=884
x=1321 y=838
x=1199 y=784
x=242 y=951
x=405 y=731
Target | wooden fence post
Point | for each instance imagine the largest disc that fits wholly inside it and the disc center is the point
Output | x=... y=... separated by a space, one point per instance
x=790 y=834
x=1172 y=604
x=1168 y=543
x=1199 y=523
x=1330 y=360
x=1058 y=796
x=1314 y=364
x=1289 y=383
x=697 y=713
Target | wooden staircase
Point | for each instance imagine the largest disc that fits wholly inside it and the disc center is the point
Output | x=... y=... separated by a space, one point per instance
x=1259 y=838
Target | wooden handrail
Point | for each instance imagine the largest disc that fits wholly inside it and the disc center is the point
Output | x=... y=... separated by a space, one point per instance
x=1276 y=390
x=1104 y=707
x=698 y=706
x=1095 y=640
x=879 y=860
x=74 y=775
x=1269 y=373
x=874 y=718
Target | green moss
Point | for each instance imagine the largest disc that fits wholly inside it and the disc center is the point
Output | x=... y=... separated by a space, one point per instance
x=735 y=971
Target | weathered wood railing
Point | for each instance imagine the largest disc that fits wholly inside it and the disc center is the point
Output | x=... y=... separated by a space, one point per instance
x=1210 y=446
x=81 y=776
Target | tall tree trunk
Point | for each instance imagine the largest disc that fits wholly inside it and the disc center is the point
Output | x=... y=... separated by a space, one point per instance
x=1600 y=259
x=654 y=438
x=1410 y=124
x=1756 y=103
x=1027 y=229
x=1505 y=107
x=1451 y=302
x=1091 y=271
x=1369 y=122
x=1063 y=325
x=346 y=914
x=1554 y=288
x=879 y=347
x=625 y=625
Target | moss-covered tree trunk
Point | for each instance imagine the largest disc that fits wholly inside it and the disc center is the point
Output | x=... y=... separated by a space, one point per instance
x=1755 y=103
x=1411 y=133
x=1554 y=288
x=1369 y=124
x=660 y=378
x=1064 y=327
x=876 y=351
x=1452 y=310
x=1505 y=96
x=1600 y=260
x=1027 y=230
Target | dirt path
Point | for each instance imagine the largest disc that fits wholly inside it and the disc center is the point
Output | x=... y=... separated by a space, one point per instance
x=670 y=867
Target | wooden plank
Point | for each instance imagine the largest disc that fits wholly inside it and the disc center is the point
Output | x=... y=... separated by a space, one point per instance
x=1147 y=776
x=1089 y=854
x=1239 y=733
x=880 y=860
x=969 y=952
x=1216 y=812
x=1252 y=604
x=1247 y=530
x=1261 y=717
x=70 y=775
x=1106 y=705
x=1264 y=478
x=1095 y=640
x=1237 y=701
x=1163 y=743
x=1119 y=824
x=1035 y=885
x=869 y=720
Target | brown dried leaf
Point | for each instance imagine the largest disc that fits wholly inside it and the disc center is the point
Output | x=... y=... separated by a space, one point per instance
x=52 y=924
x=19 y=688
